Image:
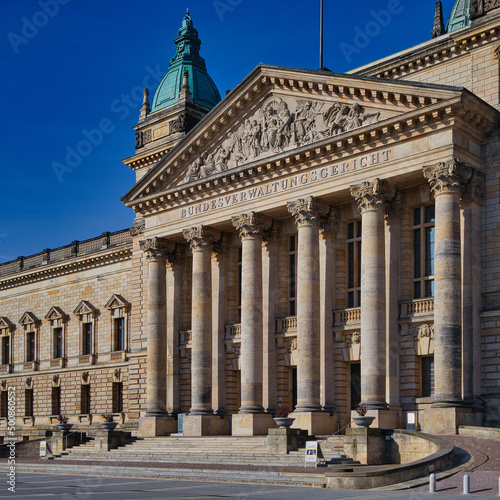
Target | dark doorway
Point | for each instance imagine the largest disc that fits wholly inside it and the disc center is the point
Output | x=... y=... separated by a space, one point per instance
x=293 y=386
x=355 y=384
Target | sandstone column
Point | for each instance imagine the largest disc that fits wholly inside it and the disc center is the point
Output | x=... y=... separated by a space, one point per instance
x=155 y=421
x=251 y=227
x=201 y=240
x=308 y=214
x=372 y=198
x=447 y=182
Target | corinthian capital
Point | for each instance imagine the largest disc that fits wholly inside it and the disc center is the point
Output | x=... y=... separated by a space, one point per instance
x=201 y=237
x=156 y=249
x=250 y=224
x=373 y=195
x=308 y=211
x=447 y=176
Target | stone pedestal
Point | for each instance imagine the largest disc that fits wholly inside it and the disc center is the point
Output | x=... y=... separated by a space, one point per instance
x=384 y=419
x=314 y=422
x=205 y=425
x=252 y=424
x=150 y=426
x=282 y=441
x=365 y=445
x=109 y=440
x=446 y=420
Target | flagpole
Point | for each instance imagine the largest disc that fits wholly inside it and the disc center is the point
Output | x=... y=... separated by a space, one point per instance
x=321 y=35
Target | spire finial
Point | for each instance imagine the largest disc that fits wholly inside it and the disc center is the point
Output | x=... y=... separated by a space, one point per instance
x=146 y=109
x=438 y=28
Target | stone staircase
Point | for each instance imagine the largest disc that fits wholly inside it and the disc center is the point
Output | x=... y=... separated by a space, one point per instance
x=209 y=450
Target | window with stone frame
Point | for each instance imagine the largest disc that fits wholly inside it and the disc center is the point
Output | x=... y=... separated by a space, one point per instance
x=119 y=309
x=57 y=320
x=30 y=324
x=353 y=261
x=28 y=402
x=6 y=329
x=423 y=251
x=292 y=275
x=56 y=400
x=87 y=315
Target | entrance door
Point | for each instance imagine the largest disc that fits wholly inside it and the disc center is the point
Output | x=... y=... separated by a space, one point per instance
x=355 y=384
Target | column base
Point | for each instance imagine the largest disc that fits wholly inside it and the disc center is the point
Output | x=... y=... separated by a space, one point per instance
x=314 y=422
x=252 y=424
x=156 y=426
x=205 y=425
x=446 y=420
x=384 y=419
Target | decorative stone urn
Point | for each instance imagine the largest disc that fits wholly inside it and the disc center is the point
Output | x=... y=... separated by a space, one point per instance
x=364 y=421
x=109 y=426
x=284 y=422
x=64 y=427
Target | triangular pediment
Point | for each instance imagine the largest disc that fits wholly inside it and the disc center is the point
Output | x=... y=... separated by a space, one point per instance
x=5 y=323
x=84 y=307
x=55 y=313
x=117 y=301
x=28 y=318
x=276 y=111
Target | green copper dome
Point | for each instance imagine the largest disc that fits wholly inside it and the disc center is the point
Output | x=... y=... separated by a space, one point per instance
x=459 y=17
x=202 y=87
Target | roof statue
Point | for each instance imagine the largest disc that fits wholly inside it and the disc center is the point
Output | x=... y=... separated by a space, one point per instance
x=203 y=89
x=438 y=28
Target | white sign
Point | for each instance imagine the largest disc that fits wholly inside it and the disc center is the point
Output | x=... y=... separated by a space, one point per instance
x=43 y=449
x=312 y=452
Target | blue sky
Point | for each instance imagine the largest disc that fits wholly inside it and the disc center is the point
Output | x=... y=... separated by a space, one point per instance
x=70 y=64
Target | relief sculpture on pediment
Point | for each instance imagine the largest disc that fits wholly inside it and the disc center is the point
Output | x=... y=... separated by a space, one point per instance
x=274 y=128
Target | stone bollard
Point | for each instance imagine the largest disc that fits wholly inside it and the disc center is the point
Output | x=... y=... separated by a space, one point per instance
x=432 y=483
x=466 y=484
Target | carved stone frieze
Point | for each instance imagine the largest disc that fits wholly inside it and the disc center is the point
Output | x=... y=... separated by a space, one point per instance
x=480 y=7
x=426 y=331
x=448 y=176
x=373 y=195
x=352 y=339
x=308 y=211
x=201 y=237
x=291 y=345
x=157 y=249
x=275 y=128
x=474 y=188
x=138 y=227
x=425 y=339
x=250 y=224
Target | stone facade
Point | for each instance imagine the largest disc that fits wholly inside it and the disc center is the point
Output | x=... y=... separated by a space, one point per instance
x=318 y=239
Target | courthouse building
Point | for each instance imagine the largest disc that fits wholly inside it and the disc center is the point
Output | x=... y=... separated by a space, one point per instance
x=313 y=239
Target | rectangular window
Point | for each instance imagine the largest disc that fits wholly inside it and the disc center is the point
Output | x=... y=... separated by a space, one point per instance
x=58 y=342
x=240 y=281
x=30 y=347
x=85 y=399
x=119 y=334
x=117 y=397
x=87 y=338
x=292 y=275
x=56 y=400
x=6 y=350
x=354 y=264
x=28 y=402
x=4 y=401
x=423 y=251
x=428 y=376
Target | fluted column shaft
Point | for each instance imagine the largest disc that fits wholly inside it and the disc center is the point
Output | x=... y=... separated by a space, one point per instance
x=201 y=241
x=156 y=392
x=372 y=198
x=250 y=228
x=447 y=181
x=308 y=214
